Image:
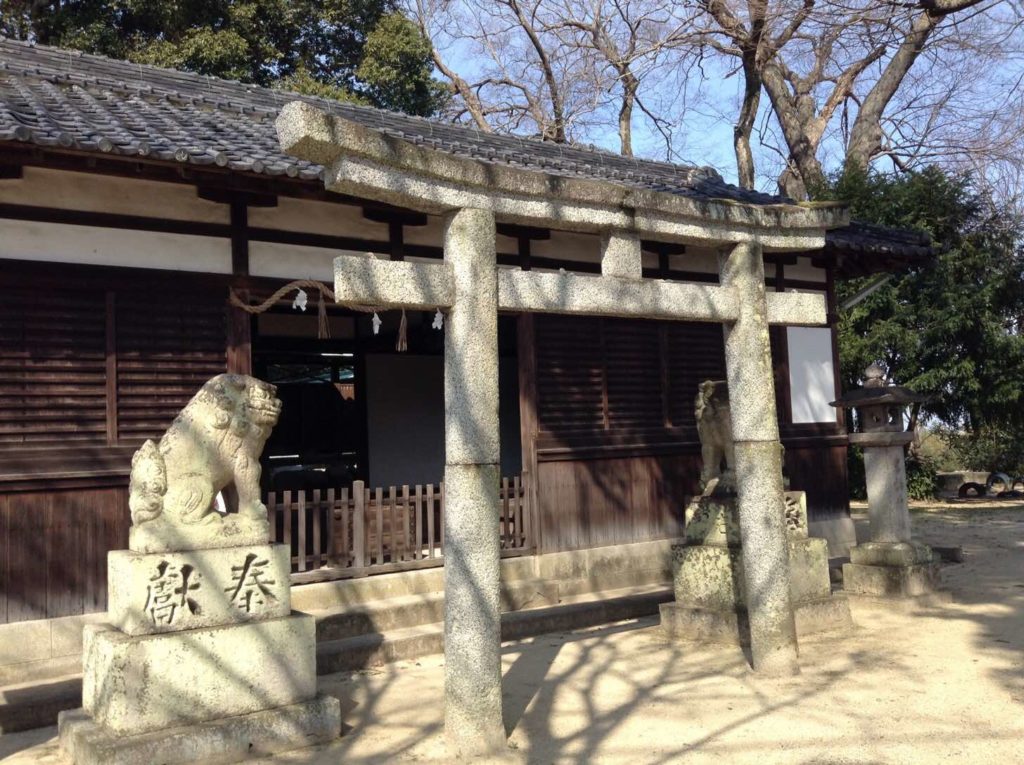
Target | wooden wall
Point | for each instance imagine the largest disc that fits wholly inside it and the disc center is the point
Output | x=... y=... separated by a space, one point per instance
x=615 y=446
x=53 y=550
x=599 y=502
x=92 y=362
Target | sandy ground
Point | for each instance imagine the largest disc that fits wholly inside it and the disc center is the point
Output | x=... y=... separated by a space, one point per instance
x=940 y=684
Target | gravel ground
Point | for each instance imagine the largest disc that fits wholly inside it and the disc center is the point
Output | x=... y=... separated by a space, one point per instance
x=937 y=684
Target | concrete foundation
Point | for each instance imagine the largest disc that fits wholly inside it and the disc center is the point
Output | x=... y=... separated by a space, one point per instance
x=225 y=740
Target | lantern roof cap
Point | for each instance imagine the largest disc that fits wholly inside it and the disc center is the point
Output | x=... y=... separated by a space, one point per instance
x=875 y=392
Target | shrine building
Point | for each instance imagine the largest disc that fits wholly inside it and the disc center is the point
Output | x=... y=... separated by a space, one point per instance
x=151 y=226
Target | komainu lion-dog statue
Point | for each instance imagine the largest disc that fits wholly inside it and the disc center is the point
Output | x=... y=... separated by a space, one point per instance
x=711 y=409
x=214 y=442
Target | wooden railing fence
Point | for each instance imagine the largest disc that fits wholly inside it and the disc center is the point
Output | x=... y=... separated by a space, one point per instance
x=358 y=531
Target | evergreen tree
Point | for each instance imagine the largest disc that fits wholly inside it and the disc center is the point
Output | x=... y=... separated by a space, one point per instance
x=363 y=50
x=953 y=328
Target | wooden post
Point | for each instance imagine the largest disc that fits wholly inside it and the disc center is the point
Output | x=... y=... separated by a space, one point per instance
x=302 y=552
x=359 y=525
x=527 y=360
x=318 y=510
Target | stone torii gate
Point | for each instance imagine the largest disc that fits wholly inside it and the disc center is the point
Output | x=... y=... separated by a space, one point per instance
x=471 y=288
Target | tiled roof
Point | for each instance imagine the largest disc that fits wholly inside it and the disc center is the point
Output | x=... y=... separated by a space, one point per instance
x=55 y=97
x=69 y=100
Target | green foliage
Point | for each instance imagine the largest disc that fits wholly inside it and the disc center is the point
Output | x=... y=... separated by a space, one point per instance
x=363 y=50
x=922 y=478
x=990 y=449
x=951 y=329
x=396 y=67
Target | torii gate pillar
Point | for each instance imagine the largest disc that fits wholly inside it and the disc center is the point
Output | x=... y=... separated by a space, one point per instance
x=472 y=547
x=755 y=430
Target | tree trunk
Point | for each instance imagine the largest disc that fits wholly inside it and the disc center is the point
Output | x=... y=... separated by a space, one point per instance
x=866 y=134
x=794 y=113
x=745 y=123
x=629 y=88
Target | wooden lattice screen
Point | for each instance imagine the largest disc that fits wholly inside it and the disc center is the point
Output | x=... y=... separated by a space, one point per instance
x=52 y=367
x=622 y=375
x=103 y=367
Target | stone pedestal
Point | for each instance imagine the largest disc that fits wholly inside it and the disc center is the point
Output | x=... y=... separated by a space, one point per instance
x=892 y=570
x=202 y=661
x=710 y=583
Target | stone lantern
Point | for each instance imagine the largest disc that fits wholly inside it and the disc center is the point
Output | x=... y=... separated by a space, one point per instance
x=890 y=564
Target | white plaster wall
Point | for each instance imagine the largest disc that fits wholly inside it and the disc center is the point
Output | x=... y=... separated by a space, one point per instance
x=60 y=243
x=290 y=261
x=804 y=271
x=90 y=192
x=313 y=217
x=811 y=374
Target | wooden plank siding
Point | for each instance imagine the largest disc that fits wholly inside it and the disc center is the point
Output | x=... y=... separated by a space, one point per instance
x=86 y=374
x=53 y=550
x=616 y=445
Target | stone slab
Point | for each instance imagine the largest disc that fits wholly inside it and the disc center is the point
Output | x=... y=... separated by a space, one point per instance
x=891 y=581
x=732 y=626
x=796 y=309
x=149 y=682
x=367 y=281
x=891 y=554
x=232 y=530
x=230 y=739
x=150 y=593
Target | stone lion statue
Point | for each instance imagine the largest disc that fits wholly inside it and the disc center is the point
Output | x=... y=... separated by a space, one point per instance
x=714 y=428
x=214 y=442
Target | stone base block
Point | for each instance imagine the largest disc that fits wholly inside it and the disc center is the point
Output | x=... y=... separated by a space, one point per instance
x=231 y=530
x=891 y=554
x=138 y=684
x=831 y=614
x=225 y=740
x=705 y=625
x=731 y=627
x=711 y=576
x=891 y=581
x=175 y=591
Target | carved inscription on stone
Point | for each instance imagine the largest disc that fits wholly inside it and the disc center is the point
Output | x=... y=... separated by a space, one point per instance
x=170 y=591
x=250 y=589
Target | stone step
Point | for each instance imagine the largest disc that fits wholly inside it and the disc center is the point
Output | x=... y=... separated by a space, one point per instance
x=378 y=648
x=35 y=705
x=399 y=612
x=414 y=610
